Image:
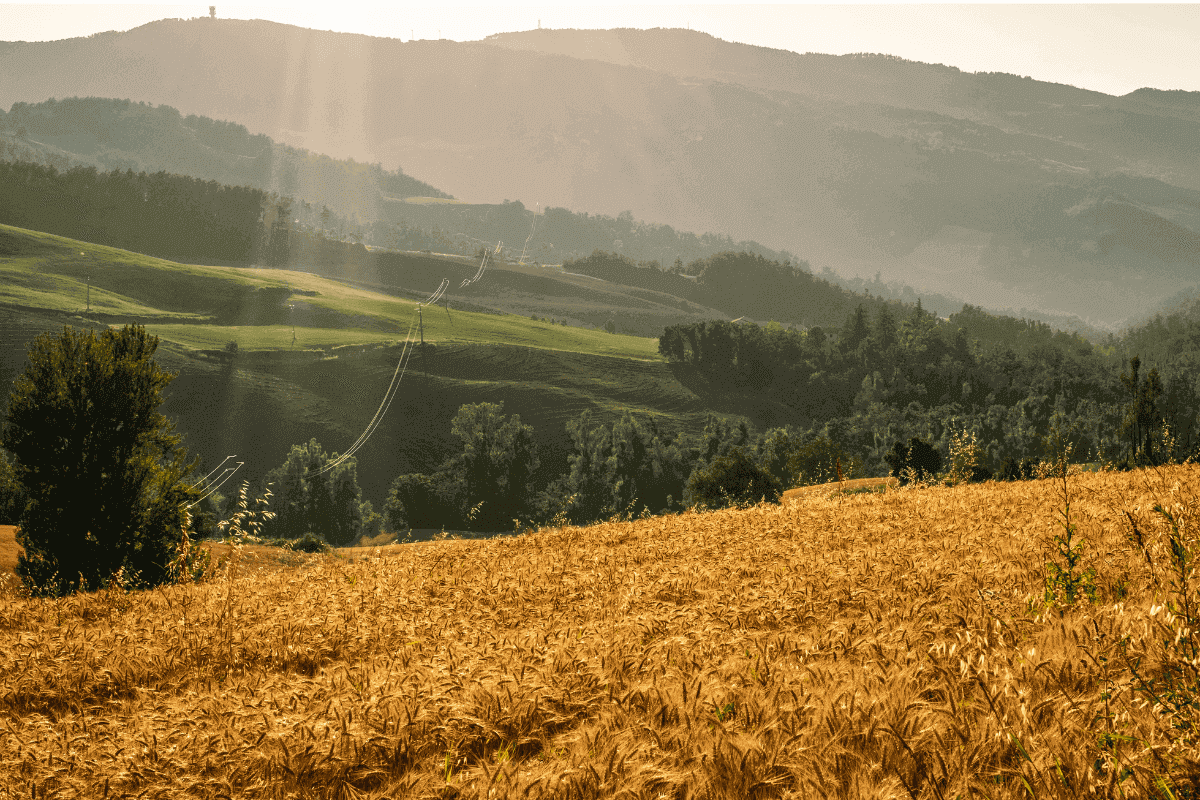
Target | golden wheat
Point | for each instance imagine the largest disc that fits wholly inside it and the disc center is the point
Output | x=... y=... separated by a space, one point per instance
x=863 y=646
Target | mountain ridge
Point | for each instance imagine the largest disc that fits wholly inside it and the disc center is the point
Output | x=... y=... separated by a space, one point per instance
x=828 y=156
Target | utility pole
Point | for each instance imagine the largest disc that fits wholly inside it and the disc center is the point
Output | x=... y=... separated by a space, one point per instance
x=421 y=324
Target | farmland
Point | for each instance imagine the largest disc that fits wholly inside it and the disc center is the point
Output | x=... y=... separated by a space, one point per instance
x=866 y=645
x=315 y=356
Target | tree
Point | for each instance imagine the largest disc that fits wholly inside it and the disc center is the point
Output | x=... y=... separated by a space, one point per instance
x=496 y=465
x=919 y=456
x=819 y=461
x=12 y=494
x=1143 y=418
x=731 y=479
x=424 y=501
x=313 y=497
x=102 y=470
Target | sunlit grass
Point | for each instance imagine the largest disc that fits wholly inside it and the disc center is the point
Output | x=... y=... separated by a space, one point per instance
x=53 y=276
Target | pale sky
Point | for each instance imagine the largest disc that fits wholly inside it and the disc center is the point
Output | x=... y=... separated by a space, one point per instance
x=1112 y=48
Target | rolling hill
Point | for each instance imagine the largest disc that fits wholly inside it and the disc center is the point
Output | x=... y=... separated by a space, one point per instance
x=327 y=382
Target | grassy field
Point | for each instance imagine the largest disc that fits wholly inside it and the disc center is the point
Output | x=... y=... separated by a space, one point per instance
x=870 y=646
x=187 y=304
x=325 y=377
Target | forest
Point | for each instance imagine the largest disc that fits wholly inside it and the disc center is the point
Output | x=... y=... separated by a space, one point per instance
x=864 y=399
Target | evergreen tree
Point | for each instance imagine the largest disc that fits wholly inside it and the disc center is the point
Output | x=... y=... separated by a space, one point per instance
x=1143 y=418
x=102 y=470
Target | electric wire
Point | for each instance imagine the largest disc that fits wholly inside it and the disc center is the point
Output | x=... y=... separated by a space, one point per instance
x=487 y=258
x=209 y=475
x=530 y=236
x=226 y=474
x=384 y=404
x=398 y=374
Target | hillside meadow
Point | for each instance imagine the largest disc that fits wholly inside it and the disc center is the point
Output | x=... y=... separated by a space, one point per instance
x=206 y=307
x=872 y=645
x=315 y=356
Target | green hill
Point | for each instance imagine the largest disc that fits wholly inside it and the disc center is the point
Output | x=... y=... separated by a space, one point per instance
x=328 y=379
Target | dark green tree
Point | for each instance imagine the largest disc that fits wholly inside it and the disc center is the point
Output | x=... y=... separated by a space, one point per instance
x=102 y=470
x=496 y=465
x=12 y=494
x=924 y=460
x=586 y=486
x=1143 y=418
x=819 y=460
x=313 y=497
x=424 y=501
x=731 y=479
x=856 y=331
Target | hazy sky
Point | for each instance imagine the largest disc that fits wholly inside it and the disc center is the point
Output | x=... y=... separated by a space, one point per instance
x=1113 y=48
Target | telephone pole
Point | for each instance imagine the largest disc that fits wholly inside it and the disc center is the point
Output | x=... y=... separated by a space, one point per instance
x=421 y=324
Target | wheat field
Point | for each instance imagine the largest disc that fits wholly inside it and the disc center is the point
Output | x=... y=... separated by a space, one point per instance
x=888 y=645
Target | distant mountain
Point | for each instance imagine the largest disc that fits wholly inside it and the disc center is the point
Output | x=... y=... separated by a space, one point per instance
x=120 y=134
x=1006 y=191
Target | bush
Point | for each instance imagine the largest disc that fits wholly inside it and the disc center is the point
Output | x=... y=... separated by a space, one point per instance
x=101 y=469
x=819 y=461
x=732 y=479
x=310 y=543
x=12 y=494
x=919 y=459
x=1012 y=469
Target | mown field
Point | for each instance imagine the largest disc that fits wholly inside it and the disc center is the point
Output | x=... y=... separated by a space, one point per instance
x=857 y=646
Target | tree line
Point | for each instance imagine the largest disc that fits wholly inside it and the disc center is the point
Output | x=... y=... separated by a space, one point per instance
x=876 y=380
x=173 y=216
x=94 y=498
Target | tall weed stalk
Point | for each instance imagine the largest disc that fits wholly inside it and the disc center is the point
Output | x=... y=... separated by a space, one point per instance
x=246 y=522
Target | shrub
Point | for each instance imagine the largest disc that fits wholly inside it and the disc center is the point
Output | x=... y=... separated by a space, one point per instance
x=820 y=461
x=101 y=468
x=1012 y=469
x=311 y=543
x=12 y=494
x=918 y=461
x=732 y=479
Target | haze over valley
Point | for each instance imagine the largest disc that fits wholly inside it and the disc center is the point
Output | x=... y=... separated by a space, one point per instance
x=998 y=190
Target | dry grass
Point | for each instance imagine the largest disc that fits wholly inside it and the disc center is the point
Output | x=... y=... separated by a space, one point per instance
x=9 y=550
x=826 y=489
x=864 y=646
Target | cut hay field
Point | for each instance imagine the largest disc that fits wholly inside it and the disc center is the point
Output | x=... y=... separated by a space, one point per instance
x=866 y=646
